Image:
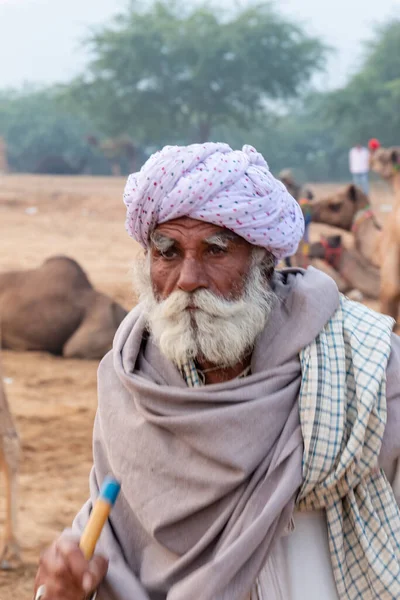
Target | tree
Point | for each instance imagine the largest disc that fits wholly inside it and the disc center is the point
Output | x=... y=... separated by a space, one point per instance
x=299 y=140
x=167 y=73
x=36 y=128
x=368 y=106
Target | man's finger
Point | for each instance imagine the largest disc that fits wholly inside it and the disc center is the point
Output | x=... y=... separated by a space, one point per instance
x=94 y=576
x=75 y=562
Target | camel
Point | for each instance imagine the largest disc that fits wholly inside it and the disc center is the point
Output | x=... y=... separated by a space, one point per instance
x=9 y=462
x=386 y=162
x=57 y=165
x=349 y=209
x=115 y=149
x=355 y=269
x=306 y=195
x=316 y=256
x=55 y=308
x=296 y=190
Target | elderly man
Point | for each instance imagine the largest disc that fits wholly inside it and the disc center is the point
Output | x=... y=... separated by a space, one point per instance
x=250 y=415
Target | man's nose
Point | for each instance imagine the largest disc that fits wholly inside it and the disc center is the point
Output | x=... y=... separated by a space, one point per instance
x=192 y=276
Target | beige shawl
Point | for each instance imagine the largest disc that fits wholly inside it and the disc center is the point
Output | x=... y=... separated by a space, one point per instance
x=209 y=475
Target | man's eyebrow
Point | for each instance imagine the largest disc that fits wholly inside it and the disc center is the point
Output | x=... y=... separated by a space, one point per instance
x=221 y=239
x=161 y=242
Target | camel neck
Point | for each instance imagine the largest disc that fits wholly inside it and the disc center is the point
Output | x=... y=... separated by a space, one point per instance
x=359 y=272
x=364 y=214
x=396 y=185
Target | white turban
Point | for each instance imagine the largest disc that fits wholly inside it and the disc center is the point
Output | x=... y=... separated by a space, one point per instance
x=213 y=183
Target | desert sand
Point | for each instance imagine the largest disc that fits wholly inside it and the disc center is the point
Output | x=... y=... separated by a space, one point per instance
x=54 y=400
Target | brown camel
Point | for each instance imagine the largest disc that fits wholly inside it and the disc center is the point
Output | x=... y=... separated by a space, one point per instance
x=55 y=308
x=296 y=190
x=58 y=165
x=287 y=178
x=303 y=259
x=386 y=162
x=115 y=149
x=349 y=209
x=9 y=460
x=355 y=269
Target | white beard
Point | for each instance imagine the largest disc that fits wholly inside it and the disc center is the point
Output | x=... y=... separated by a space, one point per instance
x=219 y=331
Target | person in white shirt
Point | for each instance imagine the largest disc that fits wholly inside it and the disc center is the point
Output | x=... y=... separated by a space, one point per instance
x=359 y=166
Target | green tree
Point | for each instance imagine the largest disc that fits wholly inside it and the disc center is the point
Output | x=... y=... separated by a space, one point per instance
x=298 y=140
x=314 y=137
x=35 y=127
x=170 y=74
x=369 y=105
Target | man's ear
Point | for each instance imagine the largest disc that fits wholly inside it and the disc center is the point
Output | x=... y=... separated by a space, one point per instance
x=355 y=193
x=352 y=192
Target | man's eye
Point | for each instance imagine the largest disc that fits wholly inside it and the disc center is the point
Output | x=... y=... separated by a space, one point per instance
x=214 y=250
x=170 y=253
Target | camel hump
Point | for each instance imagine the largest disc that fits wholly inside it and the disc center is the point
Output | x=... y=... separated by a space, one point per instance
x=68 y=269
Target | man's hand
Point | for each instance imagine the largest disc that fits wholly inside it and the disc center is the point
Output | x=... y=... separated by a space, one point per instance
x=66 y=573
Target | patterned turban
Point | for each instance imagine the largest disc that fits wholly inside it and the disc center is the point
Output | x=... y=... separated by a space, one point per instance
x=213 y=183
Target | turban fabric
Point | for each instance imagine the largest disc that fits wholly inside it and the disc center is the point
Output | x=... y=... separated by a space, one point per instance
x=212 y=183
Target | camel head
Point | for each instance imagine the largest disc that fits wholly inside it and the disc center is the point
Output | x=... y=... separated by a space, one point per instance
x=385 y=162
x=340 y=208
x=288 y=180
x=328 y=249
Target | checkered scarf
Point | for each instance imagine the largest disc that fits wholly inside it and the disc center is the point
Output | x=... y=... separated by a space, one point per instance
x=343 y=416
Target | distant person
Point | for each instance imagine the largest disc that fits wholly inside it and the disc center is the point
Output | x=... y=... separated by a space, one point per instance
x=359 y=166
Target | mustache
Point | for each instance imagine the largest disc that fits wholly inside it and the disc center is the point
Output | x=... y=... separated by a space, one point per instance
x=221 y=329
x=205 y=301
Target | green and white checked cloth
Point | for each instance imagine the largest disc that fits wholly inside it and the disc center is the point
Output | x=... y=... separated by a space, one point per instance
x=342 y=407
x=343 y=415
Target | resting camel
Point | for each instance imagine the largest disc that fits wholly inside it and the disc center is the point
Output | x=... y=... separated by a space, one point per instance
x=355 y=269
x=9 y=458
x=55 y=308
x=288 y=180
x=57 y=165
x=349 y=209
x=306 y=195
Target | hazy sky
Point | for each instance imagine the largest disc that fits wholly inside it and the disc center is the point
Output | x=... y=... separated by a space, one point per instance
x=40 y=39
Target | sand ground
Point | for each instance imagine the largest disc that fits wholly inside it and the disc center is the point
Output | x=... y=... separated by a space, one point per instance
x=54 y=400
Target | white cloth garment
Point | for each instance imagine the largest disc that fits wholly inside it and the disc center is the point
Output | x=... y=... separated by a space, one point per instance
x=306 y=553
x=359 y=160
